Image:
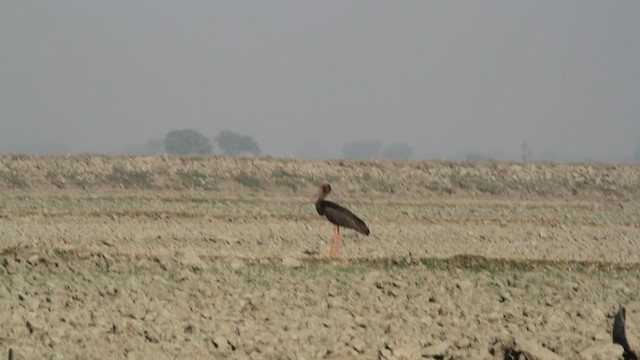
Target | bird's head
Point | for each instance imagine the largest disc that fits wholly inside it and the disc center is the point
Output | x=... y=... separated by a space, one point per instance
x=323 y=191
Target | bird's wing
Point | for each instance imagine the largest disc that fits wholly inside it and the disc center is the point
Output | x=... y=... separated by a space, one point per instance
x=344 y=217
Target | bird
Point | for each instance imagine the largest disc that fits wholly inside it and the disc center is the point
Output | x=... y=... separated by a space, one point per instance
x=338 y=216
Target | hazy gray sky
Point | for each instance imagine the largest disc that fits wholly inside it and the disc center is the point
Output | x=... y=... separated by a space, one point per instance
x=446 y=77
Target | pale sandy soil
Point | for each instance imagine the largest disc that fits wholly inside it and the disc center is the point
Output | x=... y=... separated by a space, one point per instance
x=167 y=257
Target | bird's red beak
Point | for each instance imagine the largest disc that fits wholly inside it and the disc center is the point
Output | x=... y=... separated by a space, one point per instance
x=315 y=196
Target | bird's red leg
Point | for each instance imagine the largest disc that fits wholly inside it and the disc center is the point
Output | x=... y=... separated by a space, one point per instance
x=334 y=242
x=337 y=239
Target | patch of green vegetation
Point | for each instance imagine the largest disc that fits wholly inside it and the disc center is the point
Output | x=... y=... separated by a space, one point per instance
x=76 y=180
x=285 y=178
x=249 y=181
x=13 y=179
x=54 y=179
x=384 y=186
x=606 y=187
x=63 y=252
x=10 y=250
x=541 y=188
x=350 y=269
x=370 y=183
x=65 y=179
x=439 y=188
x=130 y=178
x=196 y=179
x=19 y=157
x=477 y=182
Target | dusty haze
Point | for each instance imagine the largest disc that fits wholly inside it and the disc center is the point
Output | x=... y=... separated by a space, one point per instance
x=448 y=78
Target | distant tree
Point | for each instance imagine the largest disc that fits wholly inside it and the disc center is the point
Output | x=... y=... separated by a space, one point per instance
x=397 y=151
x=362 y=149
x=187 y=141
x=232 y=143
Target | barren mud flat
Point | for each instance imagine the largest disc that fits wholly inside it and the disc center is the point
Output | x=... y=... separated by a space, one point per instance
x=214 y=257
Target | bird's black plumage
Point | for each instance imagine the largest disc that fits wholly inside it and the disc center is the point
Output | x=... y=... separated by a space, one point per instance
x=338 y=215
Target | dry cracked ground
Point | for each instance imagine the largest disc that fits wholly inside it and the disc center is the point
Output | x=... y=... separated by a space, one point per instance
x=168 y=257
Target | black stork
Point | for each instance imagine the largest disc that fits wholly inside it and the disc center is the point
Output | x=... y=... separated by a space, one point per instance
x=338 y=216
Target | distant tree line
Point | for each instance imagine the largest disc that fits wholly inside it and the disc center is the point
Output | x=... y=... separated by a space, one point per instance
x=188 y=141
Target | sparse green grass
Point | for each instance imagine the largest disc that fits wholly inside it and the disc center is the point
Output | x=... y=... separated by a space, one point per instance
x=196 y=179
x=76 y=180
x=285 y=178
x=384 y=186
x=477 y=182
x=55 y=179
x=65 y=179
x=10 y=250
x=13 y=179
x=439 y=187
x=376 y=184
x=130 y=178
x=249 y=180
x=540 y=187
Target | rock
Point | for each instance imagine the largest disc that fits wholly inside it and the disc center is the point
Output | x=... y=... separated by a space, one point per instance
x=385 y=353
x=464 y=285
x=34 y=322
x=601 y=336
x=603 y=352
x=360 y=321
x=108 y=260
x=191 y=260
x=438 y=350
x=291 y=263
x=151 y=336
x=84 y=253
x=184 y=275
x=462 y=343
x=221 y=343
x=522 y=348
x=33 y=260
x=543 y=234
x=4 y=292
x=236 y=264
x=358 y=345
x=406 y=351
x=24 y=352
